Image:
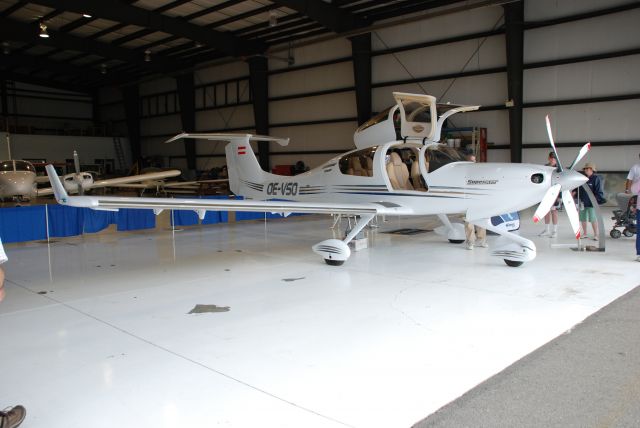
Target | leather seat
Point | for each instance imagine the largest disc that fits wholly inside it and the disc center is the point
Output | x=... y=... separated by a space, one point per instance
x=398 y=173
x=416 y=177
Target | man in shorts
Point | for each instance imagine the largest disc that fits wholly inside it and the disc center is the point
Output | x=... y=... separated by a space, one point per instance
x=11 y=417
x=551 y=218
x=587 y=211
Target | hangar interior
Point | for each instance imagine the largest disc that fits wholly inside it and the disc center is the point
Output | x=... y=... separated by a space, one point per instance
x=99 y=328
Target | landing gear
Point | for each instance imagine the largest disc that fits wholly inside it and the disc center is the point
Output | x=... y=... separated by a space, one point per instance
x=456 y=241
x=334 y=251
x=512 y=263
x=511 y=247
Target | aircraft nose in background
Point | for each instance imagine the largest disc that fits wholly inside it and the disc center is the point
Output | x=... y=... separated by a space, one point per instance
x=569 y=179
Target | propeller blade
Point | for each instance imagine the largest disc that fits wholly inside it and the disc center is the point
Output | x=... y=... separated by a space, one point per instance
x=76 y=161
x=583 y=151
x=546 y=203
x=553 y=145
x=572 y=212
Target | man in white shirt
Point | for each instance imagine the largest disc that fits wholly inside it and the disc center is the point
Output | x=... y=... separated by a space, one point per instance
x=632 y=185
x=10 y=417
x=3 y=258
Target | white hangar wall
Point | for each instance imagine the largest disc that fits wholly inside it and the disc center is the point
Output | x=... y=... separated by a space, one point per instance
x=315 y=105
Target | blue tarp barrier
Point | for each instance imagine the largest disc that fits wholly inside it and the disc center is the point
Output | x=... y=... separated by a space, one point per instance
x=21 y=224
x=184 y=218
x=95 y=220
x=65 y=221
x=135 y=219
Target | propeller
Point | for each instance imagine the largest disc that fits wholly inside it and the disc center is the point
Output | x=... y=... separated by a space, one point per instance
x=78 y=175
x=563 y=181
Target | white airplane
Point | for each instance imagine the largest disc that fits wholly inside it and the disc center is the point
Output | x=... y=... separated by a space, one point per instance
x=80 y=181
x=373 y=180
x=17 y=180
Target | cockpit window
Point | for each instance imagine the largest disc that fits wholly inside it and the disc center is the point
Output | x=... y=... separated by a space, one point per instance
x=6 y=166
x=24 y=166
x=380 y=117
x=358 y=163
x=417 y=112
x=440 y=156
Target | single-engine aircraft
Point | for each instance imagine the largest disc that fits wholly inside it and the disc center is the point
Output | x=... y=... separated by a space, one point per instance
x=80 y=181
x=17 y=180
x=373 y=180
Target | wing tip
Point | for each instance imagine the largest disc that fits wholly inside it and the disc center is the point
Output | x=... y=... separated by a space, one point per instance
x=536 y=219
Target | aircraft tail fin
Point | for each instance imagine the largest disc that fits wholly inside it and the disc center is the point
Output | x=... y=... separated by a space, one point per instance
x=245 y=174
x=58 y=189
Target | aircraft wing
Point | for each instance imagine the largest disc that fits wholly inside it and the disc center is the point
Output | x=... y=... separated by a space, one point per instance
x=111 y=203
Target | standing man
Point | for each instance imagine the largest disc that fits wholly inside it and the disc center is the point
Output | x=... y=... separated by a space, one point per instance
x=10 y=417
x=552 y=216
x=471 y=230
x=587 y=211
x=632 y=185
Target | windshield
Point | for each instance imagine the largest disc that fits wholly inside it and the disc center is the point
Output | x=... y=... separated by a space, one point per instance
x=6 y=166
x=440 y=156
x=24 y=166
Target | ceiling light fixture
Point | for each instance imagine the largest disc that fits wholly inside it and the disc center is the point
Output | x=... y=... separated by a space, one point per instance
x=86 y=15
x=43 y=30
x=147 y=55
x=273 y=19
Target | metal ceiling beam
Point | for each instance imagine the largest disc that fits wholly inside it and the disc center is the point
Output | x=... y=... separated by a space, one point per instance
x=38 y=62
x=16 y=31
x=121 y=12
x=334 y=18
x=25 y=78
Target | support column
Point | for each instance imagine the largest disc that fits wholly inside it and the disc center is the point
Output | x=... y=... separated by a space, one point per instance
x=131 y=98
x=361 y=51
x=259 y=81
x=3 y=96
x=187 y=100
x=514 y=25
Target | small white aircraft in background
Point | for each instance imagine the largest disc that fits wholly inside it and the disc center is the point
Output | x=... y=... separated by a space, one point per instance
x=17 y=180
x=373 y=180
x=79 y=181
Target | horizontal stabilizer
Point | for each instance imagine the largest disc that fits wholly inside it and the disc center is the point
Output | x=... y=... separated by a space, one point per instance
x=228 y=137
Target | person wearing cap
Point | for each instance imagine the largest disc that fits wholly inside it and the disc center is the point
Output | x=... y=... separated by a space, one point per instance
x=587 y=211
x=10 y=417
x=552 y=215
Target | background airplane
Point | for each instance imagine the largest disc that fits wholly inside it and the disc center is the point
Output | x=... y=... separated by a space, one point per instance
x=373 y=180
x=17 y=180
x=79 y=181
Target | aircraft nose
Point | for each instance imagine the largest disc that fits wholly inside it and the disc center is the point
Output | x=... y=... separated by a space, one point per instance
x=569 y=179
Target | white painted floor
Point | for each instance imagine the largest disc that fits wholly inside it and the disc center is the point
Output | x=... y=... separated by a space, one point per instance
x=400 y=330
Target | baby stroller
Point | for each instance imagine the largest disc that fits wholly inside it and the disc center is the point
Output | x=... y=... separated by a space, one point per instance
x=625 y=216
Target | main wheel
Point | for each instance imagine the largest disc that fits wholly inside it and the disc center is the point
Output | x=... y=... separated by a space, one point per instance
x=334 y=262
x=626 y=232
x=615 y=233
x=456 y=241
x=512 y=263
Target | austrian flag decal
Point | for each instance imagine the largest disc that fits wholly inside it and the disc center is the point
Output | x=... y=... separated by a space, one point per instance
x=242 y=150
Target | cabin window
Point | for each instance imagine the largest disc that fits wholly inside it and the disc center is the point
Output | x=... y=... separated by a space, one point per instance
x=6 y=166
x=359 y=163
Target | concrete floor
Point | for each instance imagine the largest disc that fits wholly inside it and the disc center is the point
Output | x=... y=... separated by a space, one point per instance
x=97 y=332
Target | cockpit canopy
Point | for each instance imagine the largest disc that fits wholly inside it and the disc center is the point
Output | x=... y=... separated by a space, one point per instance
x=413 y=117
x=17 y=166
